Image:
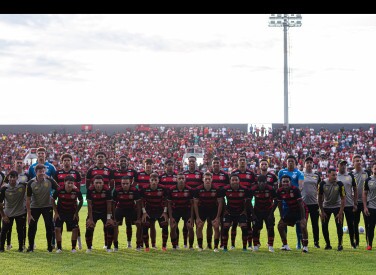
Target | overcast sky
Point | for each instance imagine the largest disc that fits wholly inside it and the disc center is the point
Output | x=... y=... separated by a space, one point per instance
x=98 y=69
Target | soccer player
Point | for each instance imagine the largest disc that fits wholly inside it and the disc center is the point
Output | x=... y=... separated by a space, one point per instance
x=360 y=177
x=247 y=179
x=99 y=207
x=264 y=194
x=193 y=179
x=123 y=171
x=99 y=169
x=154 y=208
x=41 y=159
x=297 y=212
x=309 y=195
x=220 y=180
x=208 y=204
x=66 y=210
x=235 y=210
x=169 y=178
x=369 y=202
x=143 y=180
x=61 y=174
x=332 y=201
x=12 y=207
x=351 y=201
x=39 y=202
x=297 y=179
x=128 y=206
x=271 y=179
x=180 y=206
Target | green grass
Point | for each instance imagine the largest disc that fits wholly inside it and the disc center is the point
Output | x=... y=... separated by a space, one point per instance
x=185 y=261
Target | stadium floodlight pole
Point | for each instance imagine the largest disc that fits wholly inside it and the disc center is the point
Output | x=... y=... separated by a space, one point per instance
x=286 y=21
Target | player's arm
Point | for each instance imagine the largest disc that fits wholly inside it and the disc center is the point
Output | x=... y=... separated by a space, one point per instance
x=88 y=179
x=343 y=200
x=110 y=221
x=364 y=197
x=220 y=207
x=355 y=192
x=54 y=206
x=195 y=205
x=29 y=193
x=169 y=206
x=79 y=206
x=2 y=197
x=302 y=211
x=143 y=209
x=138 y=209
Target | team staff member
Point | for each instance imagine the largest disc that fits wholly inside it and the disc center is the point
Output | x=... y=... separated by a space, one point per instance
x=12 y=207
x=309 y=195
x=360 y=176
x=39 y=202
x=369 y=202
x=66 y=210
x=351 y=201
x=296 y=212
x=332 y=201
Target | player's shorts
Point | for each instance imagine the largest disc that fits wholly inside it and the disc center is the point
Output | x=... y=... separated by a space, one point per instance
x=156 y=216
x=207 y=213
x=68 y=220
x=99 y=216
x=130 y=215
x=292 y=217
x=181 y=213
x=263 y=216
x=228 y=218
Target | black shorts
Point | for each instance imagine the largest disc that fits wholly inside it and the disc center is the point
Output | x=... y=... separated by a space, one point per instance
x=262 y=217
x=183 y=214
x=156 y=216
x=68 y=220
x=234 y=218
x=99 y=216
x=130 y=215
x=207 y=213
x=291 y=218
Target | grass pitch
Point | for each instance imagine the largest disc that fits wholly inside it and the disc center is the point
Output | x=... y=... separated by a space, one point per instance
x=183 y=261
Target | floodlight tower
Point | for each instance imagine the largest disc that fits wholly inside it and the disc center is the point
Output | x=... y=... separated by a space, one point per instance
x=286 y=21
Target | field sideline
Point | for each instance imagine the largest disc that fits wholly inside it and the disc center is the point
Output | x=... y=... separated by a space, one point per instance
x=184 y=261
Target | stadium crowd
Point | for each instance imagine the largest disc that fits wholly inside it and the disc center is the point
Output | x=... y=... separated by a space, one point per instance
x=163 y=143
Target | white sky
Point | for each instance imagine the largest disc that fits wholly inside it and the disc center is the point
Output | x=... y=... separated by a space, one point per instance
x=98 y=69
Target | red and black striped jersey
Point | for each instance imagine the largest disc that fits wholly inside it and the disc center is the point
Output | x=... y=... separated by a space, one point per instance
x=292 y=196
x=168 y=180
x=126 y=199
x=220 y=179
x=235 y=199
x=117 y=174
x=180 y=199
x=105 y=172
x=264 y=199
x=142 y=179
x=154 y=200
x=193 y=180
x=99 y=199
x=67 y=202
x=271 y=179
x=61 y=174
x=247 y=178
x=207 y=198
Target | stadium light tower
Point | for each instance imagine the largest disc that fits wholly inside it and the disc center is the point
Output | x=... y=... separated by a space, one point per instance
x=286 y=21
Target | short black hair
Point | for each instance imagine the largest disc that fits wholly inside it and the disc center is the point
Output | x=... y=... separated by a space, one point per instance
x=69 y=178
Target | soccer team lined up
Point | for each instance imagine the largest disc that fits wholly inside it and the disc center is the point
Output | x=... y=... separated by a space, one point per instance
x=222 y=201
